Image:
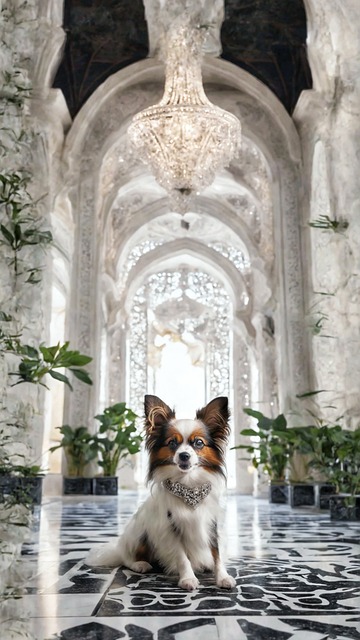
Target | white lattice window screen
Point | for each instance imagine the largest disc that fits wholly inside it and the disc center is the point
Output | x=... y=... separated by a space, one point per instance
x=213 y=327
x=137 y=352
x=234 y=254
x=169 y=291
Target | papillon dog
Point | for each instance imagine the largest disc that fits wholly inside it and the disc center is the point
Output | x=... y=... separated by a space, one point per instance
x=176 y=527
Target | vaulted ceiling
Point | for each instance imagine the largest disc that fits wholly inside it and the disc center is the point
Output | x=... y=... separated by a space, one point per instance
x=267 y=38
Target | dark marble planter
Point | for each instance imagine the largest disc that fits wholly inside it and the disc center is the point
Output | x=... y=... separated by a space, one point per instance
x=323 y=493
x=105 y=486
x=278 y=492
x=301 y=495
x=27 y=490
x=77 y=486
x=99 y=486
x=345 y=507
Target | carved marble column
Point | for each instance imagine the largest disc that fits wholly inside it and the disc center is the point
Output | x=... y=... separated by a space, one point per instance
x=328 y=119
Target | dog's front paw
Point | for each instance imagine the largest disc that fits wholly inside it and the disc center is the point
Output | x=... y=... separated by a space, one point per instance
x=141 y=566
x=226 y=582
x=189 y=584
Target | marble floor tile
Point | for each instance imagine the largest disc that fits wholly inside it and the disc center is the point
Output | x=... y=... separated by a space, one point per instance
x=297 y=578
x=57 y=605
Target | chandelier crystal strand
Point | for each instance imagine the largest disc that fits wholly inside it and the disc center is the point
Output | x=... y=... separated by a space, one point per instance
x=185 y=139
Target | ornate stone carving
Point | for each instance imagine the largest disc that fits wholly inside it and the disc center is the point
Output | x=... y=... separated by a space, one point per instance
x=206 y=317
x=259 y=178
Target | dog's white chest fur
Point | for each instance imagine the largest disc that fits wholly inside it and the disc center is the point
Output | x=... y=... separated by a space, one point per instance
x=170 y=524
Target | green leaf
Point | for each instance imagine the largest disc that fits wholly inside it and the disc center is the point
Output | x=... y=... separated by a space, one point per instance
x=27 y=350
x=28 y=369
x=71 y=358
x=311 y=393
x=249 y=432
x=51 y=350
x=118 y=408
x=17 y=233
x=48 y=353
x=61 y=377
x=34 y=236
x=277 y=449
x=78 y=359
x=32 y=279
x=280 y=422
x=7 y=235
x=81 y=375
x=254 y=414
x=5 y=317
x=131 y=415
x=66 y=430
x=265 y=423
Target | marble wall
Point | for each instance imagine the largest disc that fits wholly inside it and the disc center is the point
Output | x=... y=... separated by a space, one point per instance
x=328 y=121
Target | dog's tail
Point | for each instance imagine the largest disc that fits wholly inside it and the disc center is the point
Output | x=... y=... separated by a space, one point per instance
x=106 y=555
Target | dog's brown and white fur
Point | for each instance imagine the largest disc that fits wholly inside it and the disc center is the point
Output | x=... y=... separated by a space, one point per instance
x=165 y=530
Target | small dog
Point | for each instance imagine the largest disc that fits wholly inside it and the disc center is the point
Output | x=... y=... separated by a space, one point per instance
x=177 y=526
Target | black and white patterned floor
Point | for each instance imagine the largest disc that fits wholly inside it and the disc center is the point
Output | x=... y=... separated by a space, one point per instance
x=297 y=576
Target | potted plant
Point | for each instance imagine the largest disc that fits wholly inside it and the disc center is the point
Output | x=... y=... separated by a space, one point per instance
x=20 y=484
x=301 y=481
x=80 y=448
x=317 y=443
x=20 y=477
x=116 y=439
x=32 y=368
x=345 y=475
x=270 y=449
x=335 y=455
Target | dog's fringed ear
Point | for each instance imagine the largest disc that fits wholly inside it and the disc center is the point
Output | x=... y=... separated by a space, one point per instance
x=156 y=413
x=216 y=416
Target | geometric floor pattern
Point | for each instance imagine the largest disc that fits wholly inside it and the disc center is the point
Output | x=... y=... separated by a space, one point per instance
x=297 y=577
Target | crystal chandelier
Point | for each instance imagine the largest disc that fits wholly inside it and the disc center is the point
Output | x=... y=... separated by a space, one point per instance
x=185 y=138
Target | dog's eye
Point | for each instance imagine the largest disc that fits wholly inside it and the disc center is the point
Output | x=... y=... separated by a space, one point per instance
x=172 y=444
x=198 y=443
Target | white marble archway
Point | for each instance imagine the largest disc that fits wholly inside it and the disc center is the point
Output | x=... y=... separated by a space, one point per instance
x=113 y=196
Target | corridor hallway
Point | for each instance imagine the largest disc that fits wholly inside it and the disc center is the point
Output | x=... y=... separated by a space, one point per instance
x=297 y=575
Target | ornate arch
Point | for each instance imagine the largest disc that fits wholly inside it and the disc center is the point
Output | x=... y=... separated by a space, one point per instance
x=267 y=128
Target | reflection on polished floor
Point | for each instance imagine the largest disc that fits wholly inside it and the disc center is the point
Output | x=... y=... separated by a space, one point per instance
x=297 y=575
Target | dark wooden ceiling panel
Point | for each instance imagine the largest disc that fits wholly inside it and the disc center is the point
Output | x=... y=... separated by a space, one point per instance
x=102 y=36
x=267 y=38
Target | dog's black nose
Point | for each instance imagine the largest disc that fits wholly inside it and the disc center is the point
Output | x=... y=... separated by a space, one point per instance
x=184 y=456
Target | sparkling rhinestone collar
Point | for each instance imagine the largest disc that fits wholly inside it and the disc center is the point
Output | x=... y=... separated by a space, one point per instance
x=192 y=496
